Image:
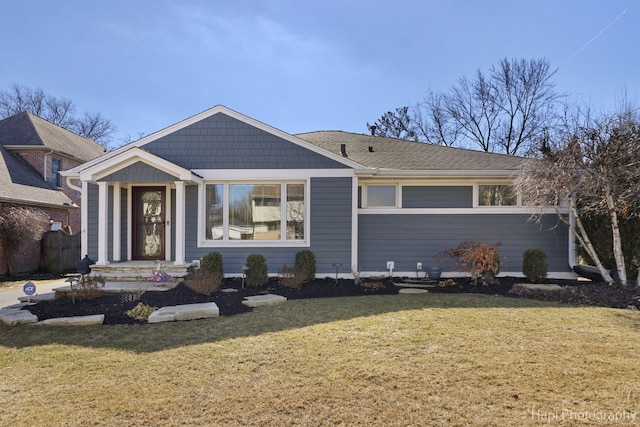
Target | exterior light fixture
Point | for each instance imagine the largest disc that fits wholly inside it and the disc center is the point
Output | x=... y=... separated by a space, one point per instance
x=245 y=268
x=337 y=265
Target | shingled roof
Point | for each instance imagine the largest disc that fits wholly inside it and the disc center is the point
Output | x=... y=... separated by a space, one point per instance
x=19 y=181
x=26 y=130
x=402 y=155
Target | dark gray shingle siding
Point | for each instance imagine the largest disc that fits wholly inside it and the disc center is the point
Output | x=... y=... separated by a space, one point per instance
x=222 y=142
x=139 y=172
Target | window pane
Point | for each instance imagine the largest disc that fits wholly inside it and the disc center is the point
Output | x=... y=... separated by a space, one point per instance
x=214 y=203
x=254 y=212
x=381 y=195
x=496 y=195
x=55 y=172
x=295 y=211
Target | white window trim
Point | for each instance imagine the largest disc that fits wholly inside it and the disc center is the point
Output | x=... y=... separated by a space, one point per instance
x=203 y=242
x=476 y=197
x=365 y=195
x=474 y=209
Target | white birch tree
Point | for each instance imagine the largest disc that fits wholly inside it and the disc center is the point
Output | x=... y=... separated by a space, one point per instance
x=595 y=171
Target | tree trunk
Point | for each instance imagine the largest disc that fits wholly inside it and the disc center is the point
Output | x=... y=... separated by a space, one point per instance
x=617 y=243
x=582 y=235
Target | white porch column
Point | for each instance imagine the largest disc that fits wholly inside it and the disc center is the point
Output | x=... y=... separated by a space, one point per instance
x=103 y=235
x=117 y=223
x=179 y=222
x=84 y=219
x=354 y=224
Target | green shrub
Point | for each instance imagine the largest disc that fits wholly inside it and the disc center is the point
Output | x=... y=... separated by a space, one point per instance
x=306 y=262
x=291 y=277
x=212 y=263
x=204 y=283
x=141 y=311
x=257 y=274
x=534 y=264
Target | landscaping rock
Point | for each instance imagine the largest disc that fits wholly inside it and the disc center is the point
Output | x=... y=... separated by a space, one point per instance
x=95 y=319
x=535 y=287
x=184 y=312
x=13 y=316
x=261 y=300
x=413 y=291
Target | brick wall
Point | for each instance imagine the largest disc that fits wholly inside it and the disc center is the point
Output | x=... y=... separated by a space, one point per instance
x=28 y=259
x=70 y=217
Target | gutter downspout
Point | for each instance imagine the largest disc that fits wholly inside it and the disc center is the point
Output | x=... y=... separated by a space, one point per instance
x=73 y=186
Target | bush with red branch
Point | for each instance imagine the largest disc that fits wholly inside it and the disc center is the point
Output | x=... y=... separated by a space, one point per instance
x=476 y=258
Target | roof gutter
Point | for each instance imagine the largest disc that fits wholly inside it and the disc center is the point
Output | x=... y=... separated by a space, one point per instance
x=36 y=148
x=394 y=173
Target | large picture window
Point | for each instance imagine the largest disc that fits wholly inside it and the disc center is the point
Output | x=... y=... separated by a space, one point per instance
x=255 y=211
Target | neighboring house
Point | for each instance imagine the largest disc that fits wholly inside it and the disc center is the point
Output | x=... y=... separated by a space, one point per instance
x=221 y=181
x=33 y=152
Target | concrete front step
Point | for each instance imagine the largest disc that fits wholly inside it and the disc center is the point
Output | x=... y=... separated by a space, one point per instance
x=129 y=271
x=125 y=287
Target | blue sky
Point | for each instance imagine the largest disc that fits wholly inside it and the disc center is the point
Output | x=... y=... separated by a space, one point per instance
x=304 y=65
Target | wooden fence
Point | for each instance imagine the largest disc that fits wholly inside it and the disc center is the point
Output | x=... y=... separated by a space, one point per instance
x=60 y=252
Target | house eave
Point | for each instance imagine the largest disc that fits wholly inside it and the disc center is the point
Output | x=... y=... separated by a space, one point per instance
x=396 y=173
x=130 y=156
x=43 y=149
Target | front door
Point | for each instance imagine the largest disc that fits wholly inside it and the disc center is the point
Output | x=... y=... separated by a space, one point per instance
x=148 y=222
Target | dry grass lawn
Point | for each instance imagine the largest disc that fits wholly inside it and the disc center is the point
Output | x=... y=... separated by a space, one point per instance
x=403 y=360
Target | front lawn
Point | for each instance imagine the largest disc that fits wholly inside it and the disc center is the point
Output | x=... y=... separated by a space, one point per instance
x=428 y=359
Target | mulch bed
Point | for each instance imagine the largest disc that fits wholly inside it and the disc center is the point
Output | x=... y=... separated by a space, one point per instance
x=115 y=306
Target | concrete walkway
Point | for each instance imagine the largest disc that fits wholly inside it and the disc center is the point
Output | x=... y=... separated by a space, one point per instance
x=10 y=297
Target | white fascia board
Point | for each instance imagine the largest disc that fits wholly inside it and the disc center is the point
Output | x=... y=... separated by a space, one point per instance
x=134 y=155
x=248 y=174
x=231 y=113
x=395 y=173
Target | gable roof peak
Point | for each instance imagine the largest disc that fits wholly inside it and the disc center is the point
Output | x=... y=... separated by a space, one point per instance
x=26 y=130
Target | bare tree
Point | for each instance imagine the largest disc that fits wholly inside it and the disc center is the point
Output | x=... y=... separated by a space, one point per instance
x=507 y=110
x=527 y=103
x=474 y=106
x=433 y=122
x=19 y=226
x=59 y=111
x=595 y=171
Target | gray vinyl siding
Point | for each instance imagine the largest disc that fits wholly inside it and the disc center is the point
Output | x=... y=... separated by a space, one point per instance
x=124 y=210
x=330 y=203
x=407 y=239
x=110 y=196
x=92 y=210
x=437 y=196
x=222 y=142
x=173 y=221
x=139 y=172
